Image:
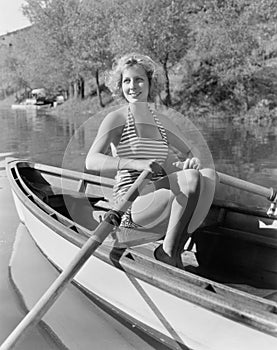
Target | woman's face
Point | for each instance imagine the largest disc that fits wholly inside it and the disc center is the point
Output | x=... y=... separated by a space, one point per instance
x=135 y=84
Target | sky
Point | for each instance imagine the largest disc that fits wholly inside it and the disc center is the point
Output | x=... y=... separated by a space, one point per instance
x=11 y=17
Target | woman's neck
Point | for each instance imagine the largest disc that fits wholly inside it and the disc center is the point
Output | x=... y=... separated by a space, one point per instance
x=140 y=109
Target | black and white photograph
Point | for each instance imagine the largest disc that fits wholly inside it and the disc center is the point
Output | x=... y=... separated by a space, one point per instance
x=138 y=174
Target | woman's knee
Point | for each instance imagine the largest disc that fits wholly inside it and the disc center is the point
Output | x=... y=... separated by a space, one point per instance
x=189 y=182
x=210 y=179
x=210 y=174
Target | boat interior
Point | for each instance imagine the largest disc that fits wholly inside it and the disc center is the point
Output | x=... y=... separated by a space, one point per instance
x=235 y=247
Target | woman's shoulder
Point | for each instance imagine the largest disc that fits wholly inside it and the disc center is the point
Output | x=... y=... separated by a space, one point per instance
x=115 y=118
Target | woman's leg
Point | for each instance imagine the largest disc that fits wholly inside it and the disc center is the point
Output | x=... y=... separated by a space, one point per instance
x=182 y=209
x=152 y=208
x=174 y=198
x=208 y=180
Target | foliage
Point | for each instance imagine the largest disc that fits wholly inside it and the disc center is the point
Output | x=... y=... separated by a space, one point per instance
x=13 y=63
x=157 y=28
x=55 y=23
x=92 y=41
x=73 y=37
x=226 y=51
x=212 y=51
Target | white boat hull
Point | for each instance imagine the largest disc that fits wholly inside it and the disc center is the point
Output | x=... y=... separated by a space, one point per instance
x=187 y=324
x=30 y=106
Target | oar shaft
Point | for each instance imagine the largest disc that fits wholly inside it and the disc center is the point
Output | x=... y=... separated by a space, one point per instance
x=246 y=186
x=54 y=291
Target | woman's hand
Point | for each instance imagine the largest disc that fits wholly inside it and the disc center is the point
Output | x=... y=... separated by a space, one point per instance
x=189 y=163
x=146 y=164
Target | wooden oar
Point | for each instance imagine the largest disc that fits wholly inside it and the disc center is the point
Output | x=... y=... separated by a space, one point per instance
x=246 y=186
x=268 y=193
x=50 y=296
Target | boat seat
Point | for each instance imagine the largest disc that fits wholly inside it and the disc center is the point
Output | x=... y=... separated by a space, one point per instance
x=66 y=197
x=128 y=237
x=59 y=199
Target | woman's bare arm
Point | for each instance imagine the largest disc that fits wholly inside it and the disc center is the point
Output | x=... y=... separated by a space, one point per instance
x=109 y=132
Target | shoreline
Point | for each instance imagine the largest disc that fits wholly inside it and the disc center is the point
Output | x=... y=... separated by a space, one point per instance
x=7 y=102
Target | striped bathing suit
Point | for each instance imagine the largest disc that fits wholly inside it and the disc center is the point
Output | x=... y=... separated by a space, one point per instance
x=134 y=147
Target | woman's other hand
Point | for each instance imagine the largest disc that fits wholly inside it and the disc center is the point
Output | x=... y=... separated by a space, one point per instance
x=189 y=163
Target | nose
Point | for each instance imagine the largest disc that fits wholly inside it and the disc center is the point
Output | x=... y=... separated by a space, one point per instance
x=132 y=84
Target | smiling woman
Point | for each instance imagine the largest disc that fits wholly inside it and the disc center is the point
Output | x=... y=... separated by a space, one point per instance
x=179 y=194
x=152 y=70
x=135 y=85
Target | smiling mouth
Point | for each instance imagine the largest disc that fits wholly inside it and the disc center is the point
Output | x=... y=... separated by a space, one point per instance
x=134 y=94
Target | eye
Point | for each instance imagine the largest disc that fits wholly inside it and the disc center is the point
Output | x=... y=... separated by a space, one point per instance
x=126 y=80
x=139 y=80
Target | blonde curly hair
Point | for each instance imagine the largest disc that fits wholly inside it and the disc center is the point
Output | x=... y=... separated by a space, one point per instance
x=153 y=71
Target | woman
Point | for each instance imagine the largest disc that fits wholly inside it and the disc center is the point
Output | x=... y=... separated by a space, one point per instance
x=140 y=139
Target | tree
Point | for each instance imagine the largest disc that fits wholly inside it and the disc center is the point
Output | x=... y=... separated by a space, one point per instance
x=92 y=41
x=55 y=22
x=7 y=81
x=225 y=52
x=157 y=28
x=13 y=62
x=76 y=38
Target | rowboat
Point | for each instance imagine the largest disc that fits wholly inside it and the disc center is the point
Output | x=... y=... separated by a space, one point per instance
x=224 y=298
x=26 y=106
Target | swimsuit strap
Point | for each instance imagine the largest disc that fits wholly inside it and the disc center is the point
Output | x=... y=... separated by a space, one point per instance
x=131 y=123
x=159 y=125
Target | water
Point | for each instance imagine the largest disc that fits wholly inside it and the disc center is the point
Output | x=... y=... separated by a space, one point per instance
x=246 y=151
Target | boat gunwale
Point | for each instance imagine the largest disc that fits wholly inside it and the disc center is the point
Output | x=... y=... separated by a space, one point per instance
x=93 y=178
x=186 y=289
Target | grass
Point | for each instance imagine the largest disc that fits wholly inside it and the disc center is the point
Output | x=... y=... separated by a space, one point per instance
x=7 y=102
x=84 y=108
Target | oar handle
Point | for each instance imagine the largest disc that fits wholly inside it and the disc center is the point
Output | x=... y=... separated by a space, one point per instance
x=54 y=291
x=268 y=193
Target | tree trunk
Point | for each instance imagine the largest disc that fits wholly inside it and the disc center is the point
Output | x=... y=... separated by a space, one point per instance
x=71 y=90
x=98 y=90
x=66 y=94
x=80 y=87
x=167 y=99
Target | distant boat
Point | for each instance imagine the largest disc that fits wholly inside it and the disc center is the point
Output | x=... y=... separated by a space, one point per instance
x=36 y=102
x=226 y=296
x=31 y=106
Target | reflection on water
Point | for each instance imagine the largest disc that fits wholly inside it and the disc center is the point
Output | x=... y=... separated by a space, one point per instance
x=246 y=151
x=34 y=135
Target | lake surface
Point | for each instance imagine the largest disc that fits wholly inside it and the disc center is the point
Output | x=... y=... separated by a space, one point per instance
x=248 y=151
